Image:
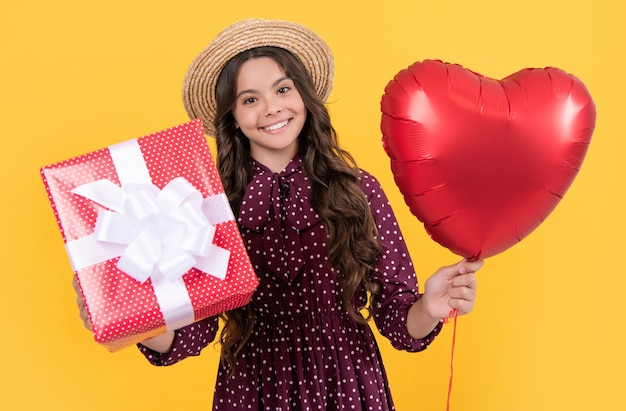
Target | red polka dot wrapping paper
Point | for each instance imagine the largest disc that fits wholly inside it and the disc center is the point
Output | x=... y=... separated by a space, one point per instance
x=122 y=310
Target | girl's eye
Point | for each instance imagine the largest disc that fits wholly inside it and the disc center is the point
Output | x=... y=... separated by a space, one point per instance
x=249 y=100
x=283 y=89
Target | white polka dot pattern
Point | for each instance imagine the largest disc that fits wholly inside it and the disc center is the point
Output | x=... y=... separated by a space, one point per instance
x=305 y=353
x=122 y=310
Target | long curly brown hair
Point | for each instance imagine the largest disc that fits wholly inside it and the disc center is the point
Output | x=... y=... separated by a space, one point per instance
x=353 y=243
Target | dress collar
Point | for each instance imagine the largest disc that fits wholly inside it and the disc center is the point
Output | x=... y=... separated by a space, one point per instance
x=294 y=192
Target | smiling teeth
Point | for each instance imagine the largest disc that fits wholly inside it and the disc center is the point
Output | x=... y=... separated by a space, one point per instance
x=276 y=126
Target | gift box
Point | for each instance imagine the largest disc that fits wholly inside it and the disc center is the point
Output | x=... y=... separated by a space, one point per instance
x=150 y=235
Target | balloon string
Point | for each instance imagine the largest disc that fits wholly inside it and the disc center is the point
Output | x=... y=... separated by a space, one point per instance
x=454 y=313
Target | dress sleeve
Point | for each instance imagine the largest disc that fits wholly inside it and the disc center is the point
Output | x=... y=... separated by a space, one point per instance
x=395 y=273
x=188 y=341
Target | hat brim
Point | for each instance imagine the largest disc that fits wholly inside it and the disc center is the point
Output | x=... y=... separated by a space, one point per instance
x=201 y=77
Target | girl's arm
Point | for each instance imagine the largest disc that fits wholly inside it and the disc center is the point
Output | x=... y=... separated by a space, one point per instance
x=409 y=319
x=174 y=346
x=449 y=288
x=161 y=343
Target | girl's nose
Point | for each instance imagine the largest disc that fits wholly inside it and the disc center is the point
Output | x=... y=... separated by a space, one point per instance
x=273 y=107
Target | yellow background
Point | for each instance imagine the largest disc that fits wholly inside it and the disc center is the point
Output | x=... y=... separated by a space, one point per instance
x=547 y=331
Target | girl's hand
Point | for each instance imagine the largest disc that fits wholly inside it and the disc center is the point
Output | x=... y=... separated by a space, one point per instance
x=451 y=287
x=81 y=305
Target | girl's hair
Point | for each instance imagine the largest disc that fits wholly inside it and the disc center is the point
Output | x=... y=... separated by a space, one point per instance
x=353 y=243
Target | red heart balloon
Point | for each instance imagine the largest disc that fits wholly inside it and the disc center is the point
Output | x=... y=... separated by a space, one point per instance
x=482 y=162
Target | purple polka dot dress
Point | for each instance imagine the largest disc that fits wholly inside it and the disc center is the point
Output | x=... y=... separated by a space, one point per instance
x=305 y=352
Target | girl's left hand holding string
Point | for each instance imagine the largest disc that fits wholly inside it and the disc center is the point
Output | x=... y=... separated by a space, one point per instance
x=452 y=287
x=449 y=288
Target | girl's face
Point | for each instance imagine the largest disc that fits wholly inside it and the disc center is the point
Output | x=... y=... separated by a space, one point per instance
x=269 y=111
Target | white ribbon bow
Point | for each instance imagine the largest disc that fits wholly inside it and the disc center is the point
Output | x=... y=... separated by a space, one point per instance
x=158 y=234
x=159 y=229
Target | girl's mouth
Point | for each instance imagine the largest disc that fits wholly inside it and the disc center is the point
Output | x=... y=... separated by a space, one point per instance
x=276 y=126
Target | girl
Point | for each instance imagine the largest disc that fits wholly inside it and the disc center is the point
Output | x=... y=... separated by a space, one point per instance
x=319 y=231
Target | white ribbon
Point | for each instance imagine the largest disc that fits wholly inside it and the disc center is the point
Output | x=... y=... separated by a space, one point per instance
x=158 y=234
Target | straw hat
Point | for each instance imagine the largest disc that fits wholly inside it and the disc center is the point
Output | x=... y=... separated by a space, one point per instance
x=201 y=78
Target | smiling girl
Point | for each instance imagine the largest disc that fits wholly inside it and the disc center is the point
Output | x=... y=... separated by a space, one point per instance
x=319 y=231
